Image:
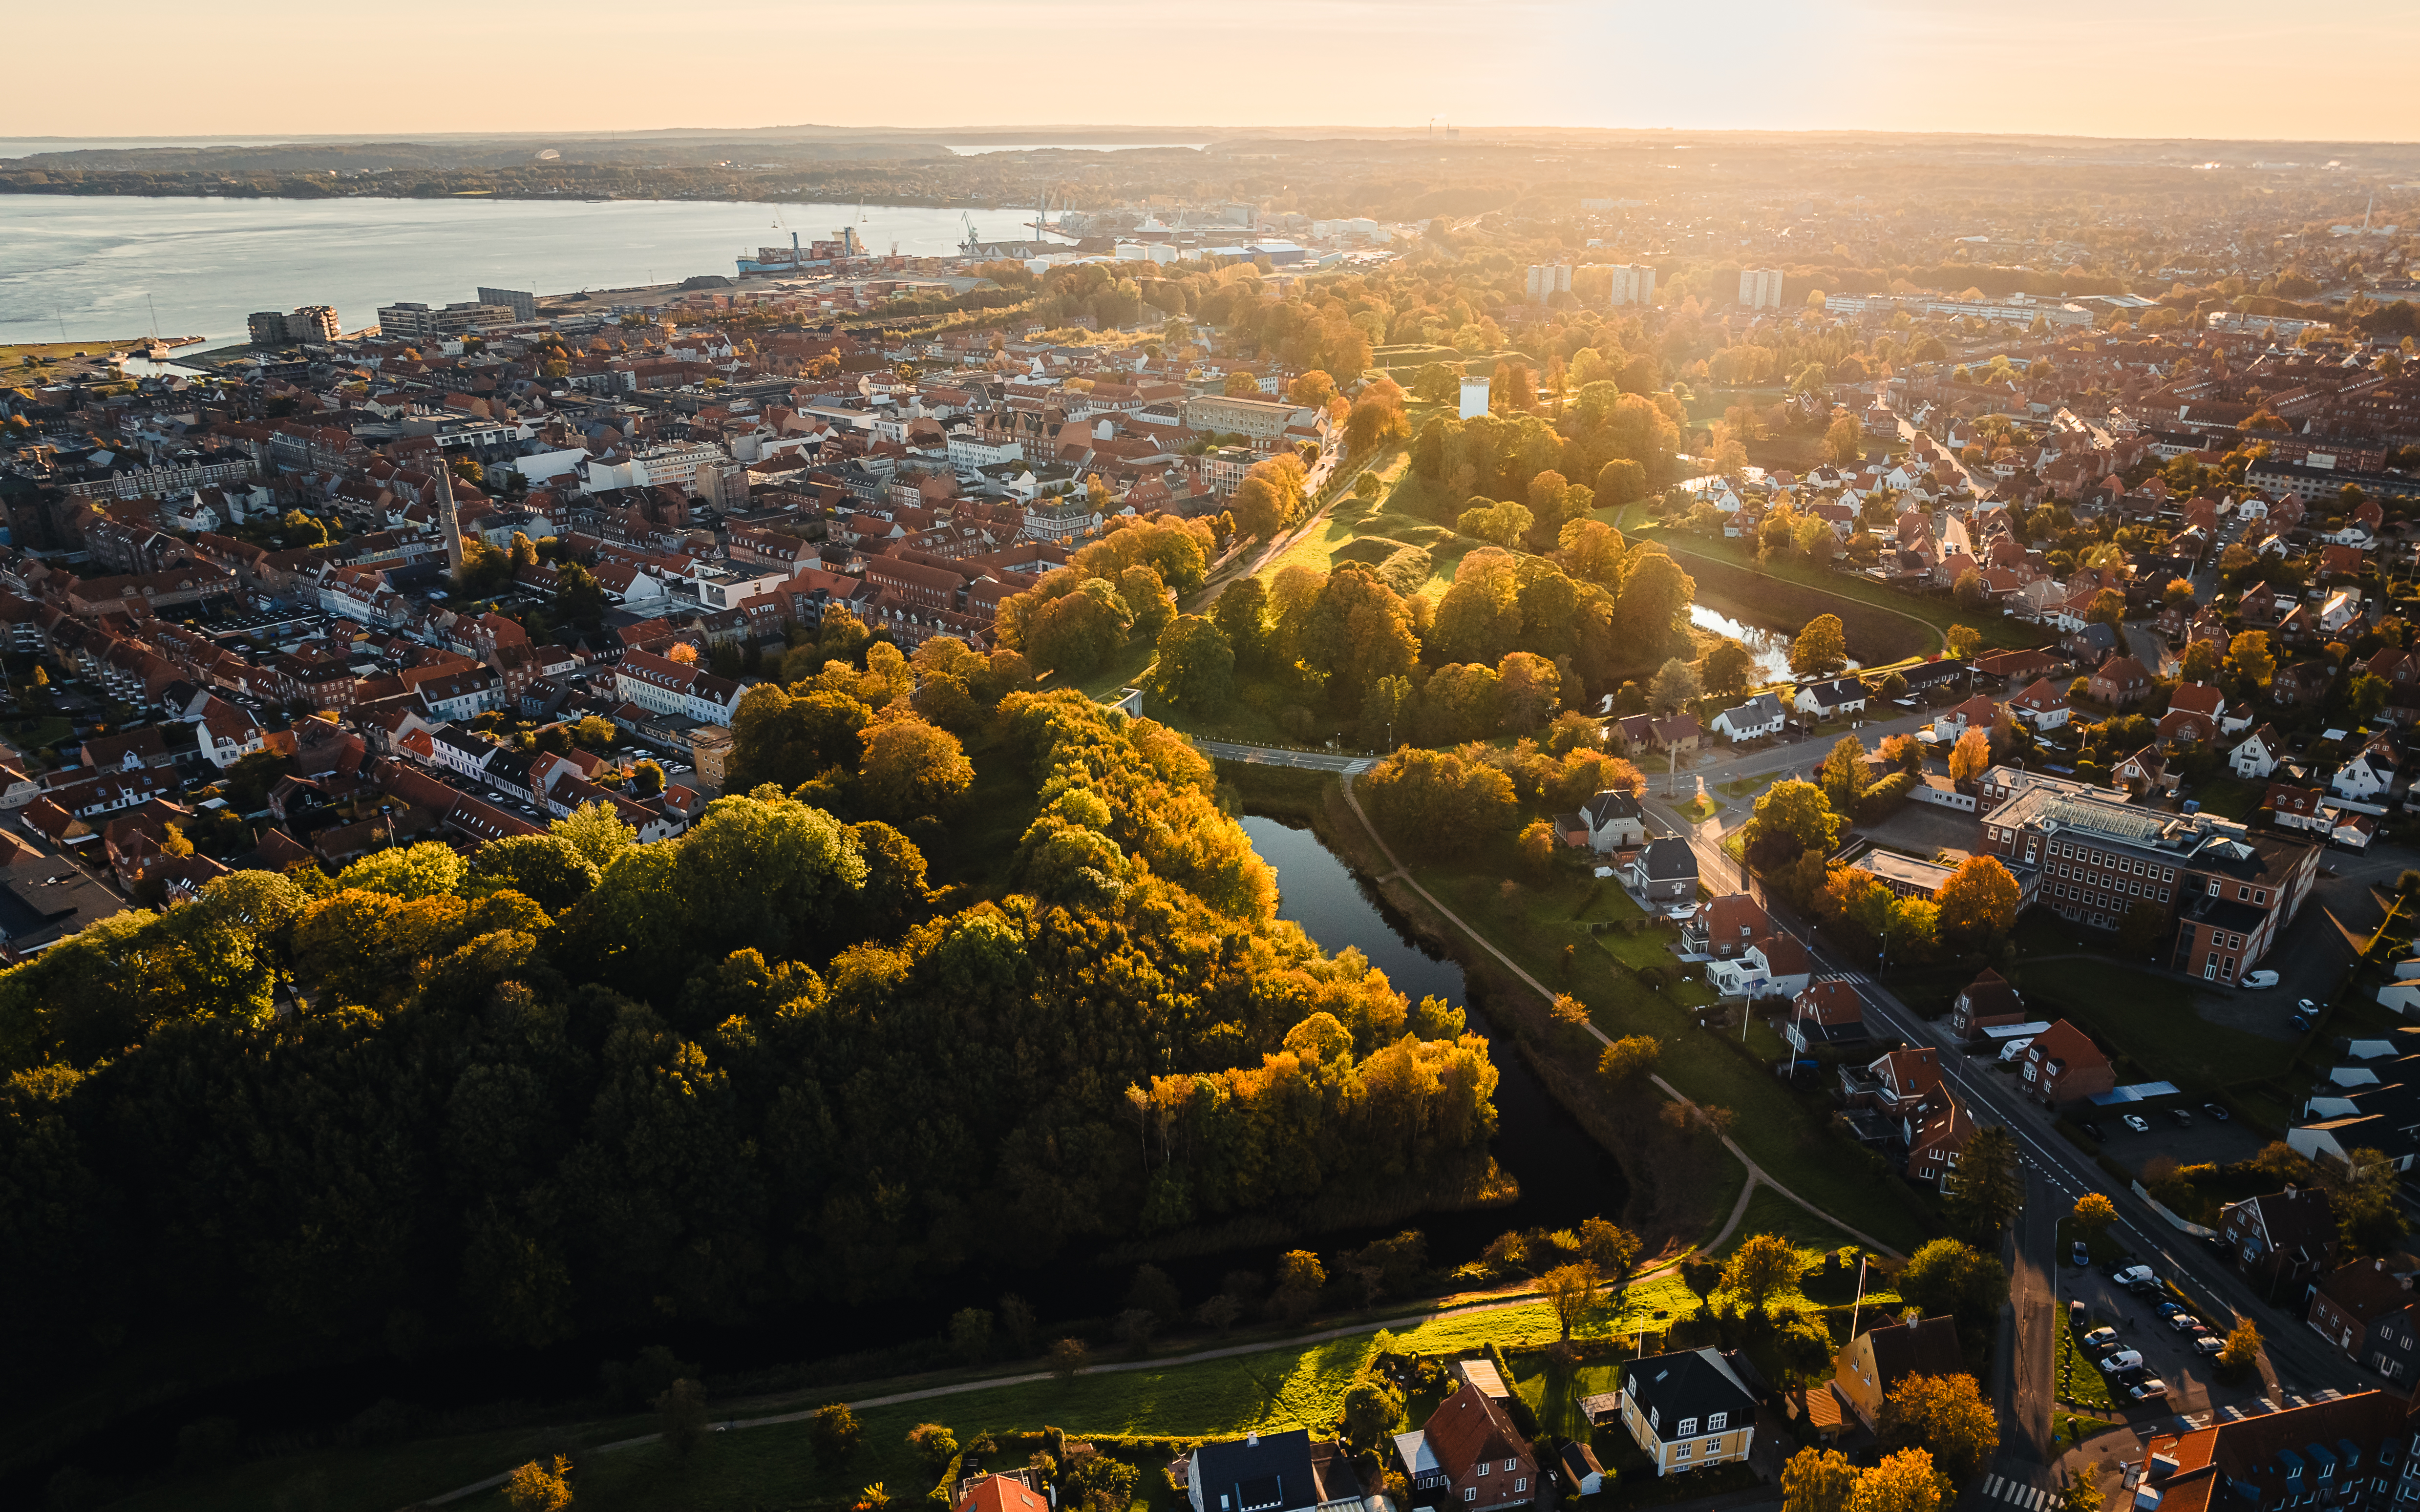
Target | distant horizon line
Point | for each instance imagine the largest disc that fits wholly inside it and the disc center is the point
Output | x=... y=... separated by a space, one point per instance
x=1144 y=134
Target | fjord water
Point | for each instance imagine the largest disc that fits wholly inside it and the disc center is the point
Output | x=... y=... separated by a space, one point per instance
x=94 y=267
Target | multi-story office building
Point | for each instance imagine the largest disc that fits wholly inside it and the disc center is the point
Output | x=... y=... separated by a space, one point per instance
x=1760 y=288
x=1633 y=284
x=2226 y=893
x=521 y=301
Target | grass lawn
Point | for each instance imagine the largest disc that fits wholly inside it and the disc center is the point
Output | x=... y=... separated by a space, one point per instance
x=1789 y=1139
x=1743 y=786
x=1698 y=809
x=35 y=734
x=1770 y=1213
x=2148 y=1019
x=2079 y=1379
x=2076 y=1427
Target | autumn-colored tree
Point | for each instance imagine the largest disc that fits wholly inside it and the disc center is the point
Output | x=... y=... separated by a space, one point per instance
x=1972 y=756
x=1629 y=1060
x=1978 y=903
x=1965 y=641
x=911 y=770
x=1241 y=386
x=1818 y=1480
x=2243 y=1346
x=2202 y=660
x=1946 y=1415
x=1820 y=649
x=1569 y=1290
x=1791 y=819
x=1725 y=669
x=2248 y=657
x=1844 y=440
x=1903 y=1482
x=535 y=1488
x=681 y=652
x=2082 y=1492
x=2094 y=1212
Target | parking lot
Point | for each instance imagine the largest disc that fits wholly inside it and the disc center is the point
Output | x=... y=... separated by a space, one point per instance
x=2192 y=1380
x=2207 y=1141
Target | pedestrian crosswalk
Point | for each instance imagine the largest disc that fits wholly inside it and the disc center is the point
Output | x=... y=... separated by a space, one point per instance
x=2019 y=1493
x=1854 y=979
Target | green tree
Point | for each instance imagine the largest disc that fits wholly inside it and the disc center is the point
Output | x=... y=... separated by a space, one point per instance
x=1569 y=1290
x=1675 y=686
x=1725 y=671
x=1241 y=611
x=1791 y=819
x=1948 y=1276
x=834 y=1431
x=1990 y=1188
x=549 y=870
x=1196 y=668
x=596 y=830
x=1965 y=641
x=681 y=1412
x=971 y=1335
x=1842 y=776
x=1372 y=1409
x=1762 y=1267
x=410 y=871
x=1820 y=649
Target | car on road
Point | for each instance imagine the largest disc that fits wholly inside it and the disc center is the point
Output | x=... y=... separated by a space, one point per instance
x=2100 y=1339
x=2183 y=1322
x=2209 y=1344
x=2258 y=979
x=2082 y=1256
x=2136 y=1122
x=2149 y=1391
x=2122 y=1359
x=2217 y=1114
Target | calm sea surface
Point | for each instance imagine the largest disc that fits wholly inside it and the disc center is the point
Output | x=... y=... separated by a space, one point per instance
x=91 y=269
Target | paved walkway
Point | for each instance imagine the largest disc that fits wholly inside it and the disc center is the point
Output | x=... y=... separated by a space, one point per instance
x=1756 y=1173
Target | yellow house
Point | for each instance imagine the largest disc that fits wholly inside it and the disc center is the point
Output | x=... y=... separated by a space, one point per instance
x=1880 y=1358
x=1689 y=1410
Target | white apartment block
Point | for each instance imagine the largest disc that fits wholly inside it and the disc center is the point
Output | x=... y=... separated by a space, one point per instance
x=1548 y=279
x=1760 y=288
x=1633 y=284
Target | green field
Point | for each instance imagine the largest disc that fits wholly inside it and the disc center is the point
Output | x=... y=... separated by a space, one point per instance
x=1789 y=1139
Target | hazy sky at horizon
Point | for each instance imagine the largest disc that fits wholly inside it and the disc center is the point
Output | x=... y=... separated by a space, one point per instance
x=2224 y=69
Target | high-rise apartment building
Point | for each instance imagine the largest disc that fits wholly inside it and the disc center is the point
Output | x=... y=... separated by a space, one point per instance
x=1760 y=288
x=1633 y=284
x=410 y=321
x=311 y=322
x=1548 y=279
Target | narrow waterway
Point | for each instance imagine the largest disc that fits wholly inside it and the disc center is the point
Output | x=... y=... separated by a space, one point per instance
x=1564 y=1175
x=1771 y=648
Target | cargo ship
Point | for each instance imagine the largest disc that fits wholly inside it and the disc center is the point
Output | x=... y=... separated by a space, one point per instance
x=798 y=257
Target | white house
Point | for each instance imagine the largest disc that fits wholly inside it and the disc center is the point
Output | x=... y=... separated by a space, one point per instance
x=1777 y=967
x=1842 y=695
x=2340 y=608
x=1759 y=716
x=2257 y=755
x=1612 y=821
x=2368 y=774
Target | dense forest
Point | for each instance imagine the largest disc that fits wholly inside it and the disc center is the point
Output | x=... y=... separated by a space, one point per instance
x=579 y=1081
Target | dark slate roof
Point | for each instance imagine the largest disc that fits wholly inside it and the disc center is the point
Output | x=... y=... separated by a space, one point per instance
x=1669 y=860
x=1762 y=709
x=1268 y=1473
x=1613 y=803
x=1933 y=674
x=1692 y=1385
x=1925 y=1347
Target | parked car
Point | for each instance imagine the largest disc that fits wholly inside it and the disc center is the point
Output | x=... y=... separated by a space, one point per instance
x=2217 y=1114
x=2100 y=1339
x=2122 y=1359
x=2149 y=1391
x=2258 y=979
x=2183 y=1322
x=2168 y=1308
x=2209 y=1344
x=2093 y=1129
x=2082 y=1256
x=2136 y=1122
x=2301 y=1024
x=2184 y=1119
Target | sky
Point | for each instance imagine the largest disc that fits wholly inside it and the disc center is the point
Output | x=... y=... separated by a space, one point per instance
x=2211 y=69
